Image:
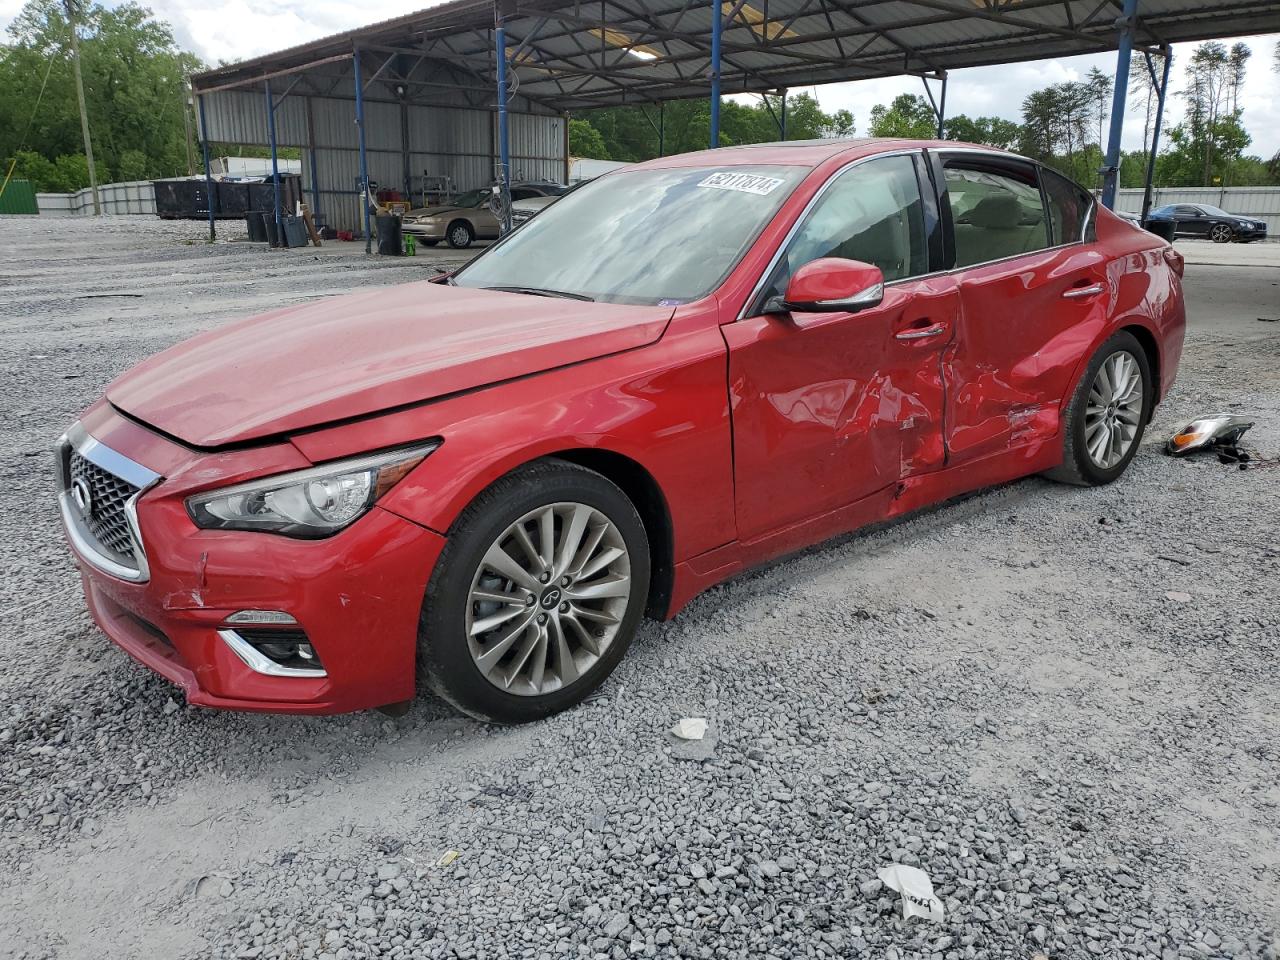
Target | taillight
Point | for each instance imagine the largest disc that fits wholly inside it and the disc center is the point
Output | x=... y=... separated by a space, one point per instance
x=1174 y=259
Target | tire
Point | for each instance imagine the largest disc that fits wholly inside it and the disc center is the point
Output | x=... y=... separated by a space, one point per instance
x=1221 y=233
x=428 y=243
x=450 y=652
x=460 y=235
x=1079 y=466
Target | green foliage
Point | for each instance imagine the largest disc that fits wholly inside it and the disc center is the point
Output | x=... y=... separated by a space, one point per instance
x=134 y=79
x=988 y=131
x=908 y=115
x=585 y=141
x=632 y=133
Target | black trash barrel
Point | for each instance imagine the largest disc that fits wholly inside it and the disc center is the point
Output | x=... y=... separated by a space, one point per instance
x=389 y=234
x=1162 y=228
x=273 y=234
x=295 y=232
x=257 y=230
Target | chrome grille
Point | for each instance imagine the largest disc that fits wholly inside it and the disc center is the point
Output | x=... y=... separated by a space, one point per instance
x=105 y=519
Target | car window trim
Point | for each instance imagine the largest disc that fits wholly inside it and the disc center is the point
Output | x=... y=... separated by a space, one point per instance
x=757 y=290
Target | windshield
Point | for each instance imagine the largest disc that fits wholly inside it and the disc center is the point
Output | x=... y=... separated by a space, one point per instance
x=472 y=198
x=1214 y=211
x=643 y=236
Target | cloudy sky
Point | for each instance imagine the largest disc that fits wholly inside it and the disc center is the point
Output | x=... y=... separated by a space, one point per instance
x=235 y=29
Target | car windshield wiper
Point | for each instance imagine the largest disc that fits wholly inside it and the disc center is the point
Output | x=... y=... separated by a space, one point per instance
x=544 y=292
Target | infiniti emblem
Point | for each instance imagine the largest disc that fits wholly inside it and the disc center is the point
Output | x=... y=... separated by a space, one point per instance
x=551 y=597
x=82 y=495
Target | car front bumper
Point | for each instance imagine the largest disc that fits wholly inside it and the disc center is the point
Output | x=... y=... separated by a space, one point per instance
x=357 y=596
x=429 y=230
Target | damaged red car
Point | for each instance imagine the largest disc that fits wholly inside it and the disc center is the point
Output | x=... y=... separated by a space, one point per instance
x=480 y=485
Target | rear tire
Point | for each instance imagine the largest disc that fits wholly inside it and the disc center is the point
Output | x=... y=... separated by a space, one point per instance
x=560 y=623
x=1100 y=433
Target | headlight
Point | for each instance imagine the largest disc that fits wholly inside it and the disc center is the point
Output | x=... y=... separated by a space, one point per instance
x=309 y=503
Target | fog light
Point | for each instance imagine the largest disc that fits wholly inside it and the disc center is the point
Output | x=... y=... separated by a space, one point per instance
x=260 y=616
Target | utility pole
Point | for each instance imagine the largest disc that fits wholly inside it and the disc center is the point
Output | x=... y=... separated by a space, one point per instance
x=71 y=6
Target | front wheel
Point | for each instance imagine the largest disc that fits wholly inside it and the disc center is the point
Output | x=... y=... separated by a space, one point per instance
x=536 y=596
x=1221 y=233
x=460 y=235
x=1104 y=422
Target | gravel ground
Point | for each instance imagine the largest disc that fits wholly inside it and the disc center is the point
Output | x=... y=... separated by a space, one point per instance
x=1001 y=691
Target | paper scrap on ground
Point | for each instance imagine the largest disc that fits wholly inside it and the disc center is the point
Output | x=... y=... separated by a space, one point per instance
x=916 y=889
x=447 y=858
x=690 y=728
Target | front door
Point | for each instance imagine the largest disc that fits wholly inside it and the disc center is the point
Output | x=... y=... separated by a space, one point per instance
x=829 y=408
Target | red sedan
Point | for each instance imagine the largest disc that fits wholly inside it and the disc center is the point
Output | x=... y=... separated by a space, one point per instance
x=686 y=368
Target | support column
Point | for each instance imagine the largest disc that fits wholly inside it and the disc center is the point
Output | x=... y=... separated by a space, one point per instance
x=275 y=161
x=208 y=174
x=311 y=152
x=504 y=133
x=662 y=129
x=942 y=110
x=1163 y=88
x=717 y=28
x=782 y=123
x=1120 y=94
x=364 y=157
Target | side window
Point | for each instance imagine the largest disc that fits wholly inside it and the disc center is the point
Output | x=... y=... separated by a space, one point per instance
x=1069 y=207
x=1183 y=211
x=995 y=213
x=523 y=193
x=870 y=212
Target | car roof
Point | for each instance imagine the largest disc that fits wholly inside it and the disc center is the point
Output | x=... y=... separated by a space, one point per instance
x=808 y=153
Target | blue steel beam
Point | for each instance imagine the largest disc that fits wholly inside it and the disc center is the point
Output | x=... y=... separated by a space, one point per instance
x=1163 y=87
x=364 y=158
x=504 y=133
x=275 y=160
x=1119 y=97
x=717 y=29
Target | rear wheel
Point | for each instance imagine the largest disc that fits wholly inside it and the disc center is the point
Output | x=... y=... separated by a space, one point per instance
x=536 y=596
x=1221 y=233
x=1105 y=420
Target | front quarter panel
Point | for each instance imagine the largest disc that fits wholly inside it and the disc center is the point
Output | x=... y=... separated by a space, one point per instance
x=664 y=406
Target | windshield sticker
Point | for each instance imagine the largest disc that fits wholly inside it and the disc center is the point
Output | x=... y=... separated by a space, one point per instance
x=743 y=183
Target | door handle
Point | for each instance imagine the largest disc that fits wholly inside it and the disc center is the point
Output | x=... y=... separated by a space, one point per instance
x=1075 y=293
x=921 y=334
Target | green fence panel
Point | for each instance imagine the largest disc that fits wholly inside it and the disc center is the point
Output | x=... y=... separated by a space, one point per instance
x=18 y=197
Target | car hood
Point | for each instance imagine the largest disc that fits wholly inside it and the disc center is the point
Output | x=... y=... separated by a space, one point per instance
x=424 y=212
x=356 y=355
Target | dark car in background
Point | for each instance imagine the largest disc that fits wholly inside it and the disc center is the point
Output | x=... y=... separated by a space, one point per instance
x=1207 y=222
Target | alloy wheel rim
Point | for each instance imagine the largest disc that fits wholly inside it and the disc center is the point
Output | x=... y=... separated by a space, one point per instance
x=1221 y=233
x=548 y=598
x=459 y=235
x=1113 y=412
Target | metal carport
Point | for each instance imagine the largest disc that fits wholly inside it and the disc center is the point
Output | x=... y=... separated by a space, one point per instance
x=420 y=73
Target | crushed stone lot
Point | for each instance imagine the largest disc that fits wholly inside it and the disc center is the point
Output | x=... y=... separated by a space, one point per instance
x=1010 y=692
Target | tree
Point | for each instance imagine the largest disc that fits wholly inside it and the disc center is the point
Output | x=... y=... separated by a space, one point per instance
x=908 y=115
x=991 y=131
x=585 y=141
x=134 y=77
x=1099 y=87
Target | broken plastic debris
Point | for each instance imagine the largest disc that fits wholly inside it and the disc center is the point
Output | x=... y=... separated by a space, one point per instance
x=690 y=728
x=1177 y=596
x=916 y=889
x=447 y=858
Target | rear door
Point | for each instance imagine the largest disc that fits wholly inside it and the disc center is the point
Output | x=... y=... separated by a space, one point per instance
x=829 y=408
x=1028 y=277
x=1192 y=221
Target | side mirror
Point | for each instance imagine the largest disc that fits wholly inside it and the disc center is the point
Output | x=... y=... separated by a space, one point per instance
x=834 y=285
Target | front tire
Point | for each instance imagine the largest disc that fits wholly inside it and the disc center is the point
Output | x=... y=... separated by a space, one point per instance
x=536 y=596
x=1221 y=233
x=1104 y=422
x=460 y=235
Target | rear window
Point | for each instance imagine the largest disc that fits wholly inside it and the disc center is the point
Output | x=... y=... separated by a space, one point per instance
x=1069 y=209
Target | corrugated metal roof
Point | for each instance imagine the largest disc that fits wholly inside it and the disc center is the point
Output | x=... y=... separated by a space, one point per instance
x=572 y=55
